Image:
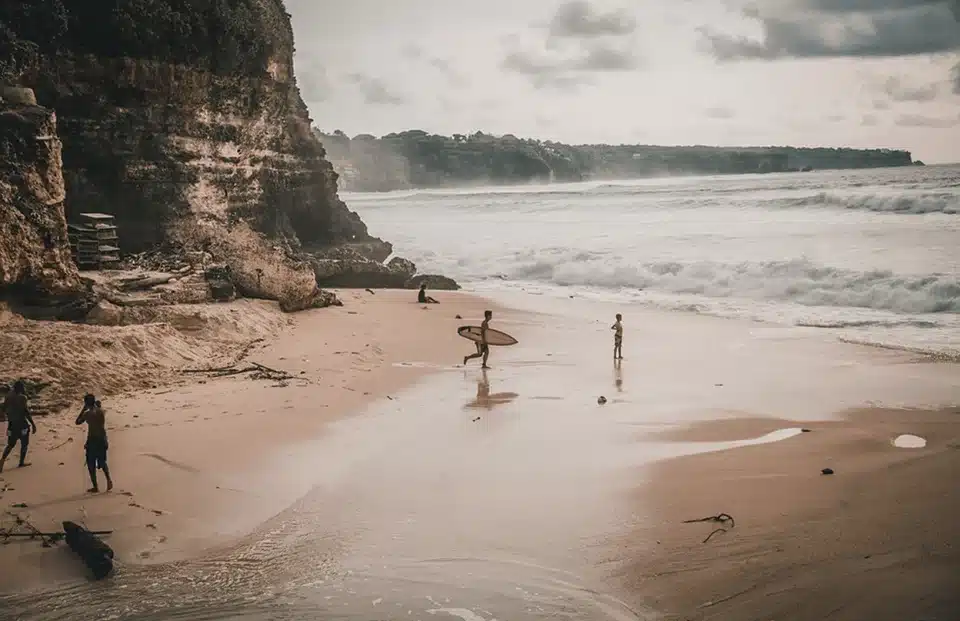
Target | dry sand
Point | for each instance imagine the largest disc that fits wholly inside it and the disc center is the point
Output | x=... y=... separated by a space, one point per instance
x=186 y=453
x=877 y=540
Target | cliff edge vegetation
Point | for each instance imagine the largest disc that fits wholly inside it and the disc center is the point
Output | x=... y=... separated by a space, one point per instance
x=415 y=158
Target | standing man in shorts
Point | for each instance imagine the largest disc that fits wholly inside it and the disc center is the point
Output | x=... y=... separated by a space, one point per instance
x=19 y=423
x=96 y=446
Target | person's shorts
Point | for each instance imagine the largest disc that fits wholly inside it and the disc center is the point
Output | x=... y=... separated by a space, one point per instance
x=18 y=434
x=617 y=340
x=96 y=453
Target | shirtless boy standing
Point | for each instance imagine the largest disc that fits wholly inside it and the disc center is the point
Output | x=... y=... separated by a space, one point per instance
x=617 y=328
x=96 y=446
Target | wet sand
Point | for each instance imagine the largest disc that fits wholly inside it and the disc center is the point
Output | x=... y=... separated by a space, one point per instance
x=876 y=540
x=188 y=459
x=510 y=494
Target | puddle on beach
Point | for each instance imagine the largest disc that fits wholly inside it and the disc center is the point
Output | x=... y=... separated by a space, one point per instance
x=663 y=450
x=908 y=441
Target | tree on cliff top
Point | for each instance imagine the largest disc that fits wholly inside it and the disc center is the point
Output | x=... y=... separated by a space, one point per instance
x=223 y=36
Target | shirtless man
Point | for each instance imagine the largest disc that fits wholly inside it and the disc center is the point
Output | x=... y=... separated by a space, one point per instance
x=617 y=328
x=483 y=349
x=19 y=423
x=422 y=296
x=96 y=446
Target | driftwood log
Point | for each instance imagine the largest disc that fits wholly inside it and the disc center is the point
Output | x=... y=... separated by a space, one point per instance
x=95 y=554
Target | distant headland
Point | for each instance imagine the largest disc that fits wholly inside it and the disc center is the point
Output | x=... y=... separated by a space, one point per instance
x=417 y=159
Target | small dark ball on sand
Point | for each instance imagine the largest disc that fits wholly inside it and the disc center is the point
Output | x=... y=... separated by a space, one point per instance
x=601 y=400
x=827 y=471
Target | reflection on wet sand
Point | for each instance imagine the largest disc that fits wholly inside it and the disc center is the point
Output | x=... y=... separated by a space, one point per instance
x=487 y=400
x=618 y=375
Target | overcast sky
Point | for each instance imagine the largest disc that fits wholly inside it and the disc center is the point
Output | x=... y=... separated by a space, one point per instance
x=860 y=73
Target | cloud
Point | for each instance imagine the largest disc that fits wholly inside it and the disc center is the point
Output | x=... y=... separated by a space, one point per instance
x=578 y=41
x=835 y=118
x=579 y=19
x=374 y=90
x=859 y=6
x=313 y=82
x=443 y=66
x=719 y=112
x=604 y=58
x=841 y=28
x=917 y=120
x=869 y=120
x=896 y=90
x=412 y=51
x=569 y=70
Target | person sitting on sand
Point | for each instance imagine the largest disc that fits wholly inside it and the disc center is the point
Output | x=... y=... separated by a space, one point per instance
x=96 y=446
x=617 y=328
x=19 y=423
x=422 y=296
x=483 y=349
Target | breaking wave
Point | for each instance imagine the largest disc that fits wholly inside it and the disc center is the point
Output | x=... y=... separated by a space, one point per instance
x=798 y=281
x=934 y=202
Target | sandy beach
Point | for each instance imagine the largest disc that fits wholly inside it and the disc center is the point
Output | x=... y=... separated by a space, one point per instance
x=191 y=450
x=876 y=540
x=383 y=476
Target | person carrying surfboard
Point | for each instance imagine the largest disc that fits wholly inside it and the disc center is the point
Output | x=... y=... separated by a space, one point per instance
x=483 y=348
x=617 y=328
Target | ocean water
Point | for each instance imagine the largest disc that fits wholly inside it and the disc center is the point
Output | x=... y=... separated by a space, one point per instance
x=872 y=256
x=506 y=495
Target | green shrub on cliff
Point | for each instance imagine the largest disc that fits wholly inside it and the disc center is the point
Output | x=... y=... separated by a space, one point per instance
x=223 y=36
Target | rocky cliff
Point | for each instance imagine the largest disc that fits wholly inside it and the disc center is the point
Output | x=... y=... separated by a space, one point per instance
x=34 y=255
x=183 y=119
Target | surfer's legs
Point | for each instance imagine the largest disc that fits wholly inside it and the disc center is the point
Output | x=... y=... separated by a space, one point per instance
x=486 y=354
x=472 y=356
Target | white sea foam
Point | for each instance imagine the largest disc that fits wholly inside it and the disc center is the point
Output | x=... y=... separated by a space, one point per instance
x=907 y=203
x=799 y=281
x=873 y=256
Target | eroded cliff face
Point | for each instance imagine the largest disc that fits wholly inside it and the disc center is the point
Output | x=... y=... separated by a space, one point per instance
x=34 y=251
x=183 y=119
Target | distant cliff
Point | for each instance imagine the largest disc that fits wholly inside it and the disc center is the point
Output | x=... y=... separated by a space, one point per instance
x=183 y=119
x=418 y=159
